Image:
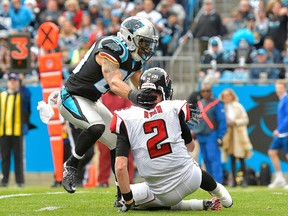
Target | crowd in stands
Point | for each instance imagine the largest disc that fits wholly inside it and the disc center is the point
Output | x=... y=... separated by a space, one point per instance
x=81 y=23
x=254 y=33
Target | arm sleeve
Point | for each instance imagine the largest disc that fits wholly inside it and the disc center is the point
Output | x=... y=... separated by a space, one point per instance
x=186 y=134
x=123 y=144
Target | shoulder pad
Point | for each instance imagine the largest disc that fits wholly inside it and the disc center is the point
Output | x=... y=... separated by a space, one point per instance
x=114 y=45
x=182 y=105
x=178 y=104
x=173 y=104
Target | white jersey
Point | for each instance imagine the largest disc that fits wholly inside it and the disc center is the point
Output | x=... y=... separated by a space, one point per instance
x=158 y=148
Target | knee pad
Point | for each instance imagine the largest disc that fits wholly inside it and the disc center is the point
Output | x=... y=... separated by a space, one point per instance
x=141 y=193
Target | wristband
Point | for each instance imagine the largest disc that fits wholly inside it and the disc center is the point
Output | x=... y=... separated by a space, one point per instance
x=127 y=196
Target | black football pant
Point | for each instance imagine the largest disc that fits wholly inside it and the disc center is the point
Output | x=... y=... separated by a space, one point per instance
x=9 y=145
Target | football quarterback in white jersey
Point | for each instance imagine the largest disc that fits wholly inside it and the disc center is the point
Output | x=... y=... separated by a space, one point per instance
x=160 y=140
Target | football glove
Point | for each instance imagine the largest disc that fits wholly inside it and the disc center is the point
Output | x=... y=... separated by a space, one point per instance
x=46 y=111
x=52 y=99
x=142 y=98
x=195 y=115
x=126 y=207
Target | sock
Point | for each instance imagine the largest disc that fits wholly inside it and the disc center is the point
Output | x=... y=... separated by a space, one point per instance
x=279 y=174
x=87 y=138
x=217 y=191
x=186 y=205
x=118 y=195
x=112 y=161
x=72 y=161
x=208 y=183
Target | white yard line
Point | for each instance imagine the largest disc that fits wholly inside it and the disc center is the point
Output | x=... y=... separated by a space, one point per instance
x=14 y=195
x=48 y=193
x=48 y=208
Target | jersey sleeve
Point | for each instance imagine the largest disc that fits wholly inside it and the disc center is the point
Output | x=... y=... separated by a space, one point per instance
x=115 y=123
x=182 y=106
x=186 y=134
x=117 y=126
x=113 y=50
x=123 y=144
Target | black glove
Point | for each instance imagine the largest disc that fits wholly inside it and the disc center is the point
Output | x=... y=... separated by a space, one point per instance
x=126 y=207
x=219 y=142
x=142 y=98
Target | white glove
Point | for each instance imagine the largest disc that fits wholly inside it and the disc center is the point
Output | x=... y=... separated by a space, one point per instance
x=52 y=99
x=46 y=111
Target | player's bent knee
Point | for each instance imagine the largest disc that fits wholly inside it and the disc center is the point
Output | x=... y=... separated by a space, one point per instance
x=141 y=193
x=97 y=130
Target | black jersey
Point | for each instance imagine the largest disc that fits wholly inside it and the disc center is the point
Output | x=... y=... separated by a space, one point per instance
x=87 y=79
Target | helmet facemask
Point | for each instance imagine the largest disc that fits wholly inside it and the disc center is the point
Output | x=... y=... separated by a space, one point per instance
x=145 y=47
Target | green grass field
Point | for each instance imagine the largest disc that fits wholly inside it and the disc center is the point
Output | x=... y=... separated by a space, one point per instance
x=40 y=201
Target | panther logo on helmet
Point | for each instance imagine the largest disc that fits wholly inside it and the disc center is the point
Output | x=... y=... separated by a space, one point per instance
x=139 y=35
x=133 y=25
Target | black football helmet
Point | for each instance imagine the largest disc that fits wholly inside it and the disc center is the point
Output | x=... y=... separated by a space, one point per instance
x=158 y=79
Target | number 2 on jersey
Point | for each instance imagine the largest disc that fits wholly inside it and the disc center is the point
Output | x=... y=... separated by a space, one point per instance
x=154 y=147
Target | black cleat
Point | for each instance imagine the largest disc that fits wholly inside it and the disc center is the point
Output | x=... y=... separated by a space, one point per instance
x=118 y=202
x=69 y=178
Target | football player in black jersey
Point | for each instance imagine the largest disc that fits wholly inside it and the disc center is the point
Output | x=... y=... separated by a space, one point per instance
x=105 y=67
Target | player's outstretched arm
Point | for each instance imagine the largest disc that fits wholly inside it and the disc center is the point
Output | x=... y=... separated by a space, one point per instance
x=121 y=172
x=123 y=181
x=114 y=78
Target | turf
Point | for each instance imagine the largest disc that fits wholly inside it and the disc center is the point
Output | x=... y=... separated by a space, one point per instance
x=40 y=201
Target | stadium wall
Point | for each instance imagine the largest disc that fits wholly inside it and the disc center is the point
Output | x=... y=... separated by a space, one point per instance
x=260 y=102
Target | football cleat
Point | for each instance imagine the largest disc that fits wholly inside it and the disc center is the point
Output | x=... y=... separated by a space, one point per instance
x=224 y=196
x=278 y=182
x=69 y=178
x=118 y=203
x=213 y=204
